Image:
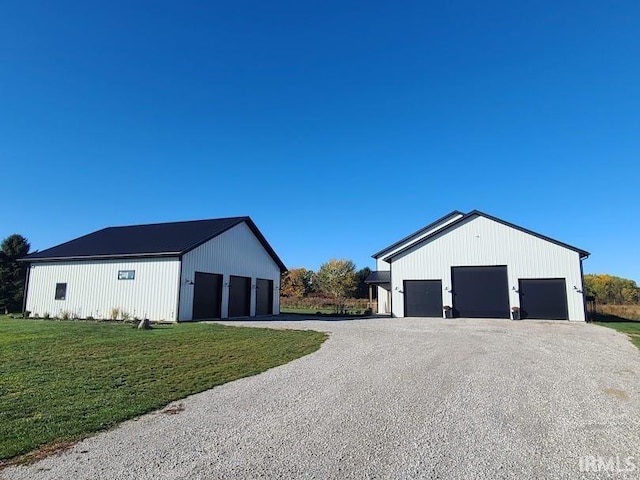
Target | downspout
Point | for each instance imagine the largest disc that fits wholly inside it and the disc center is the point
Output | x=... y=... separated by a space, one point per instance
x=26 y=289
x=391 y=284
x=179 y=288
x=584 y=294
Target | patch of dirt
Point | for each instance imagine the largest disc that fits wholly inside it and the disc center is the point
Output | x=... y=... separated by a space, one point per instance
x=39 y=454
x=619 y=394
x=174 y=409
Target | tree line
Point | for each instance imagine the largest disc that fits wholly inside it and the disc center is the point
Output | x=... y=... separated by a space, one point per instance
x=611 y=290
x=337 y=278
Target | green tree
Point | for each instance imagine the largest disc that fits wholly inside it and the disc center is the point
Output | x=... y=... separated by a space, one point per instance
x=362 y=290
x=12 y=273
x=338 y=279
x=310 y=282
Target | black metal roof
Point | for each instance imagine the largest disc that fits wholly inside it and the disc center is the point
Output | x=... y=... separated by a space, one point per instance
x=152 y=240
x=379 y=276
x=416 y=234
x=478 y=213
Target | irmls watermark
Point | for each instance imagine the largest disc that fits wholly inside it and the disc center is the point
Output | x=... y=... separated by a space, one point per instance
x=610 y=464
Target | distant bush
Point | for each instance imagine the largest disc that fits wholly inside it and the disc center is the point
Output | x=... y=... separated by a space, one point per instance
x=347 y=306
x=629 y=312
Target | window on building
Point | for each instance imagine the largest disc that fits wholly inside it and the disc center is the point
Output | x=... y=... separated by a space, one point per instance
x=126 y=274
x=61 y=291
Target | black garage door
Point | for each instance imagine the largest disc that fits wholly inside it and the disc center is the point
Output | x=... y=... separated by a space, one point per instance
x=207 y=296
x=239 y=296
x=544 y=298
x=422 y=298
x=264 y=297
x=480 y=292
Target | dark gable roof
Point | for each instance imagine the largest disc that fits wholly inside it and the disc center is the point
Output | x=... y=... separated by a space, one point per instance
x=416 y=234
x=477 y=213
x=153 y=240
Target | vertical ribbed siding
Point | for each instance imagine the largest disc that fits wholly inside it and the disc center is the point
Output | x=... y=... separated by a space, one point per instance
x=481 y=241
x=383 y=300
x=426 y=233
x=383 y=305
x=236 y=252
x=93 y=288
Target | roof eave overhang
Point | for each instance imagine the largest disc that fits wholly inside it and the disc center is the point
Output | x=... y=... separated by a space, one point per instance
x=411 y=239
x=130 y=256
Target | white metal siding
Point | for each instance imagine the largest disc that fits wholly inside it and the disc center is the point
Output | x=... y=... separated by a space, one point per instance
x=481 y=241
x=383 y=303
x=382 y=266
x=235 y=252
x=93 y=288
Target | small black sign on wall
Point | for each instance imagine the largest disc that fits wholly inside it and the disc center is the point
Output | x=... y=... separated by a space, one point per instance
x=126 y=274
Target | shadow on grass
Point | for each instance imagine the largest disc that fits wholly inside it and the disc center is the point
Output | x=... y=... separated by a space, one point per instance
x=606 y=318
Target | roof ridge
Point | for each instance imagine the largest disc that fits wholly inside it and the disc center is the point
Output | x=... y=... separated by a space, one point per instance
x=236 y=221
x=455 y=223
x=417 y=233
x=173 y=223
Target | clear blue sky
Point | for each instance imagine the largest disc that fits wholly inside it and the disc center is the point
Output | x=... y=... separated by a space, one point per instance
x=339 y=127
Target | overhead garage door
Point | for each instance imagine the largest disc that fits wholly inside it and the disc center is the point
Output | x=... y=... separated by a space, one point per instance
x=264 y=297
x=239 y=296
x=207 y=296
x=480 y=292
x=422 y=298
x=544 y=298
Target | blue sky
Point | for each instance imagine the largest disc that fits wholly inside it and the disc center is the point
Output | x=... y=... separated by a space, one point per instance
x=339 y=127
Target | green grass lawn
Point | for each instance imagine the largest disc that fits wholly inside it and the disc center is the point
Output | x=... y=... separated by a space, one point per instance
x=62 y=380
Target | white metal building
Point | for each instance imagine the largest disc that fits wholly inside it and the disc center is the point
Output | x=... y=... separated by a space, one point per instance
x=479 y=266
x=218 y=268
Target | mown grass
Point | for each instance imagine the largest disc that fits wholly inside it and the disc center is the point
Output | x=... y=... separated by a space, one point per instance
x=61 y=381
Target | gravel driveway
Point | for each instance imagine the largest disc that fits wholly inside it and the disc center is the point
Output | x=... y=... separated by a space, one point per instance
x=395 y=398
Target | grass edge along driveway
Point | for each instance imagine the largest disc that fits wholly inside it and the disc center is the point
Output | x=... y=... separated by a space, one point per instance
x=629 y=327
x=62 y=380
